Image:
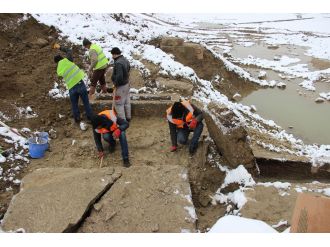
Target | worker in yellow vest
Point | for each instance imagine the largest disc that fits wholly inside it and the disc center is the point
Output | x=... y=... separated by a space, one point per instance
x=97 y=68
x=111 y=127
x=183 y=118
x=73 y=77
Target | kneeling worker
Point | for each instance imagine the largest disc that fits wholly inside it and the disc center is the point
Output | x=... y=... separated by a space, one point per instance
x=111 y=127
x=184 y=118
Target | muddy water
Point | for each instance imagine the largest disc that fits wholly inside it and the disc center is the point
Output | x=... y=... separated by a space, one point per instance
x=310 y=121
x=293 y=106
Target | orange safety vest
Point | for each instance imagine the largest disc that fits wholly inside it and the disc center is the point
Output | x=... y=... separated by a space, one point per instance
x=110 y=114
x=179 y=122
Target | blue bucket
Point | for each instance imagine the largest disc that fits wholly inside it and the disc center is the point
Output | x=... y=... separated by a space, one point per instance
x=37 y=149
x=44 y=135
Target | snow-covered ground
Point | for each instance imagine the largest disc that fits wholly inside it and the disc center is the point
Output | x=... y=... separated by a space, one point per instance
x=134 y=30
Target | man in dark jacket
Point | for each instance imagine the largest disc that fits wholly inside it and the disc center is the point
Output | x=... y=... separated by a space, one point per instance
x=120 y=79
x=111 y=127
x=184 y=118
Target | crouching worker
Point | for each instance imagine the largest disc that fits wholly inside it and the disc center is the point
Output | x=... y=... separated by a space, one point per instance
x=184 y=118
x=111 y=127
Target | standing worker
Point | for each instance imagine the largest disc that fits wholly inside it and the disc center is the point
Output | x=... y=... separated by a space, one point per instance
x=120 y=79
x=97 y=68
x=73 y=77
x=111 y=127
x=184 y=118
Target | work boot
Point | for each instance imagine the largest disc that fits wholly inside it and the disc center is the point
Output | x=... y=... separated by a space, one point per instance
x=77 y=121
x=192 y=150
x=126 y=163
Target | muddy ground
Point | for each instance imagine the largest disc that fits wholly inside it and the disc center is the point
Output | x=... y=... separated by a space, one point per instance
x=27 y=73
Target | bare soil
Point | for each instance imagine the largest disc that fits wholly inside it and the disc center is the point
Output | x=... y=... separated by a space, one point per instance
x=27 y=73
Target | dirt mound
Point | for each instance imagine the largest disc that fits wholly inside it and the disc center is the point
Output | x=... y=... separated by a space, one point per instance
x=27 y=73
x=205 y=65
x=27 y=70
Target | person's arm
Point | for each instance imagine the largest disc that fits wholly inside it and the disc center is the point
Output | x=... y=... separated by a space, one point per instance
x=122 y=124
x=118 y=75
x=173 y=134
x=68 y=53
x=98 y=142
x=93 y=58
x=198 y=114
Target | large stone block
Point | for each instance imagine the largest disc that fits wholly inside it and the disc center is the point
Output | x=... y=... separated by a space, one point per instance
x=189 y=51
x=56 y=199
x=230 y=136
x=146 y=199
x=184 y=88
x=171 y=41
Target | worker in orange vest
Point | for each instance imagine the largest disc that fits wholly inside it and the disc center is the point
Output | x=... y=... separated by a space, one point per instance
x=111 y=127
x=183 y=118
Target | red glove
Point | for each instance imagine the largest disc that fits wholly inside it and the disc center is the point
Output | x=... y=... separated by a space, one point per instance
x=173 y=148
x=116 y=133
x=101 y=154
x=193 y=124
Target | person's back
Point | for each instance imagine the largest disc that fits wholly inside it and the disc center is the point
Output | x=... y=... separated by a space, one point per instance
x=120 y=79
x=73 y=77
x=183 y=118
x=121 y=71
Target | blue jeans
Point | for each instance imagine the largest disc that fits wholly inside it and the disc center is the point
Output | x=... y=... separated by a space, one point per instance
x=80 y=90
x=183 y=135
x=123 y=143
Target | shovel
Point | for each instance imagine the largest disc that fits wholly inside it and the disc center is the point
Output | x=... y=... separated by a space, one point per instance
x=101 y=162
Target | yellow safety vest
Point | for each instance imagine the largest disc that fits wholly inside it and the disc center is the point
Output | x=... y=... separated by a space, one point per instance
x=70 y=72
x=101 y=58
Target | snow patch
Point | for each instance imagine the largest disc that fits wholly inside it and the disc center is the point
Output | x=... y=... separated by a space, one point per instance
x=2 y=160
x=236 y=224
x=192 y=213
x=326 y=191
x=239 y=175
x=277 y=185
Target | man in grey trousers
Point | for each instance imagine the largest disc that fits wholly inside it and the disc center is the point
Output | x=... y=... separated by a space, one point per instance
x=120 y=79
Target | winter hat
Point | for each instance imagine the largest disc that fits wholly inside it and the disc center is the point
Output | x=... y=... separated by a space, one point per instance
x=86 y=42
x=115 y=51
x=98 y=120
x=57 y=58
x=177 y=110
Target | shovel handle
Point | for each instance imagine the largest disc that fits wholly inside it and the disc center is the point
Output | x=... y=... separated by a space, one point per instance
x=101 y=162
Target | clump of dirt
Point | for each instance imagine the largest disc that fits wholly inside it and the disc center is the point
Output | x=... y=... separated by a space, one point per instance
x=320 y=64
